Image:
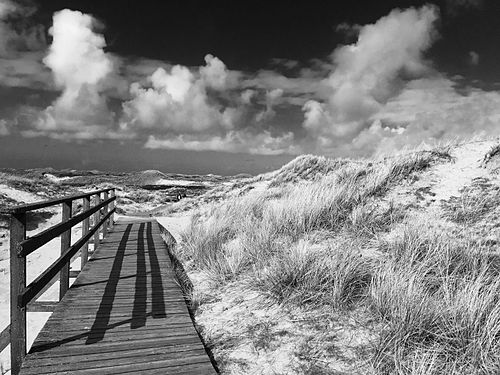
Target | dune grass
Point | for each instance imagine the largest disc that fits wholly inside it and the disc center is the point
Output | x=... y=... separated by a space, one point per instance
x=320 y=243
x=439 y=299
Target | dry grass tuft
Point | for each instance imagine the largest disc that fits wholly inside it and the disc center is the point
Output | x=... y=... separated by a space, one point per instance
x=439 y=299
x=474 y=203
x=305 y=167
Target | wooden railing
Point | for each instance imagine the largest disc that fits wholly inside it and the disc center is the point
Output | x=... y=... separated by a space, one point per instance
x=24 y=297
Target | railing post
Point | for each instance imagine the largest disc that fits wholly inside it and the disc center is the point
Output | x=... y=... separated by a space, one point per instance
x=17 y=285
x=65 y=244
x=97 y=218
x=85 y=229
x=106 y=222
x=113 y=204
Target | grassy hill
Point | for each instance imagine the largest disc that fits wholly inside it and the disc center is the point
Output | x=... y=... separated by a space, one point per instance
x=384 y=266
x=329 y=266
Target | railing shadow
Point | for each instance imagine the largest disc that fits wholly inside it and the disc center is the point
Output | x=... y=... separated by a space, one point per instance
x=104 y=312
x=139 y=313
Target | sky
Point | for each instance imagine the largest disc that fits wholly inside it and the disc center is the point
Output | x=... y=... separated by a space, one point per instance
x=232 y=87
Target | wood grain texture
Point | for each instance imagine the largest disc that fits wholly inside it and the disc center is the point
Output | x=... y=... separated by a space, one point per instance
x=124 y=314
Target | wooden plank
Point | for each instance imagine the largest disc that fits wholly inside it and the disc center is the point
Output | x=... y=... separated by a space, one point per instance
x=97 y=219
x=125 y=313
x=85 y=230
x=122 y=328
x=73 y=274
x=69 y=357
x=50 y=348
x=41 y=306
x=116 y=319
x=67 y=209
x=106 y=223
x=188 y=365
x=107 y=335
x=114 y=347
x=112 y=206
x=17 y=284
x=183 y=350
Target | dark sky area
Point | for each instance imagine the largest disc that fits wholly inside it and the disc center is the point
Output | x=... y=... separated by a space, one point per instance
x=278 y=51
x=248 y=35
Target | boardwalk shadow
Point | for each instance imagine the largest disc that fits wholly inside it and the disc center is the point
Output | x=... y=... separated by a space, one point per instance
x=139 y=311
x=104 y=312
x=146 y=253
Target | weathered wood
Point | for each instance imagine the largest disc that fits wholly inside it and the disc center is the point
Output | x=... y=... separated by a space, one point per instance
x=48 y=203
x=73 y=274
x=106 y=223
x=85 y=230
x=112 y=206
x=115 y=347
x=97 y=219
x=26 y=247
x=36 y=286
x=41 y=306
x=65 y=244
x=17 y=284
x=20 y=247
x=4 y=338
x=124 y=313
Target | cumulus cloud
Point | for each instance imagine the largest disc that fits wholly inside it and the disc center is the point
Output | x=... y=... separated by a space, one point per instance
x=177 y=102
x=473 y=58
x=21 y=47
x=304 y=86
x=181 y=108
x=4 y=130
x=16 y=31
x=377 y=93
x=348 y=30
x=432 y=109
x=287 y=64
x=216 y=75
x=247 y=95
x=385 y=95
x=79 y=66
x=272 y=98
x=262 y=143
x=370 y=72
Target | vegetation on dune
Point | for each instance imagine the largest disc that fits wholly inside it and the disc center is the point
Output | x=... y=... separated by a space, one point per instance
x=336 y=241
x=492 y=159
x=439 y=299
x=305 y=167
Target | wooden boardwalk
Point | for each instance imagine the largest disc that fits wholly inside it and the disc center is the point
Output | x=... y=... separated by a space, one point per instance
x=124 y=314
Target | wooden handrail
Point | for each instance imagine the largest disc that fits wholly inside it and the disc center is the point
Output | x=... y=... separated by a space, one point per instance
x=37 y=285
x=51 y=202
x=26 y=247
x=20 y=247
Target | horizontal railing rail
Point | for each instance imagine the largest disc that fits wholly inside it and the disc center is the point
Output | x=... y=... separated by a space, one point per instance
x=26 y=247
x=37 y=285
x=51 y=202
x=24 y=298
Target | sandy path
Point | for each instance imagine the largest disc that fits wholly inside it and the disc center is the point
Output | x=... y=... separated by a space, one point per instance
x=448 y=179
x=175 y=224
